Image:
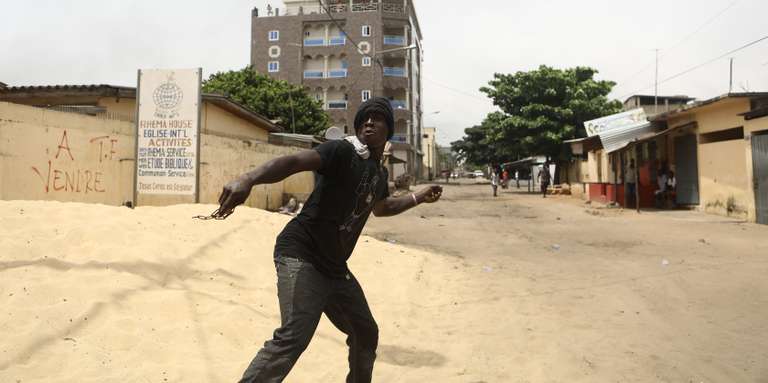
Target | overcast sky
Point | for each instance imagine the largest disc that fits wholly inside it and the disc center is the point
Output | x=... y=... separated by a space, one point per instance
x=46 y=42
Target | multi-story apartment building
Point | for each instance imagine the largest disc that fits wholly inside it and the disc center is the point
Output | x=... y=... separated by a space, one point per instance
x=345 y=51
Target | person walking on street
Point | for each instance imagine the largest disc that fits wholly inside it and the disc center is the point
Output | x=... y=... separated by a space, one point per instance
x=631 y=180
x=312 y=250
x=661 y=193
x=545 y=178
x=494 y=181
x=504 y=178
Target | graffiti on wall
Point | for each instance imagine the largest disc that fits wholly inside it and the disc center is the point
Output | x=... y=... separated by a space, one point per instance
x=63 y=173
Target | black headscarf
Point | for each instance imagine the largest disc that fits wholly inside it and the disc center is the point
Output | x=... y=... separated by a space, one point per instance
x=376 y=105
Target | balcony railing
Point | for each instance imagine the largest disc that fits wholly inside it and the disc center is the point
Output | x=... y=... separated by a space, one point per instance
x=399 y=138
x=314 y=42
x=394 y=71
x=337 y=73
x=393 y=7
x=365 y=7
x=398 y=104
x=394 y=40
x=313 y=74
x=337 y=104
x=335 y=8
x=340 y=40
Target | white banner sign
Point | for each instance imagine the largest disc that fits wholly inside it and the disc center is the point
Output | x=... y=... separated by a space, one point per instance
x=167 y=131
x=615 y=121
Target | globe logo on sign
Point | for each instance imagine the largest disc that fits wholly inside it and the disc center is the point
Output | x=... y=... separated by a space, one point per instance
x=167 y=98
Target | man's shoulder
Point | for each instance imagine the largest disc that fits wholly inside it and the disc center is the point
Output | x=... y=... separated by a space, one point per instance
x=337 y=145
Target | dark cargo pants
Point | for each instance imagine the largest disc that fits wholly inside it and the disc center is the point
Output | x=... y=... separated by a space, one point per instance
x=304 y=294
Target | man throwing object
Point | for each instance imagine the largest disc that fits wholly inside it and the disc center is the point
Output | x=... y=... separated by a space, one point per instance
x=312 y=250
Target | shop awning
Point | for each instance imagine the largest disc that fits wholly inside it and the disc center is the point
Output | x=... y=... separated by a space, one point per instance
x=616 y=130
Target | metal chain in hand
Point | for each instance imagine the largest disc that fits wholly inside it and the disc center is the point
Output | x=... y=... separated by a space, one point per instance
x=217 y=214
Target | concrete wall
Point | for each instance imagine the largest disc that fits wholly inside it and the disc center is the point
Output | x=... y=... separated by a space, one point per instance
x=721 y=115
x=598 y=168
x=215 y=120
x=223 y=159
x=723 y=182
x=724 y=186
x=49 y=155
x=725 y=167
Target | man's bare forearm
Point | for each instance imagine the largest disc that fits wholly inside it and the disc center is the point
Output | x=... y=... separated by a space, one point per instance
x=281 y=168
x=396 y=205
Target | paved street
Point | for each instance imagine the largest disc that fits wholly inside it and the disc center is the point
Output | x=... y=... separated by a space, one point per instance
x=571 y=292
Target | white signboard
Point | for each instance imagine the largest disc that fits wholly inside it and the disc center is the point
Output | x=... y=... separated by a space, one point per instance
x=167 y=131
x=615 y=121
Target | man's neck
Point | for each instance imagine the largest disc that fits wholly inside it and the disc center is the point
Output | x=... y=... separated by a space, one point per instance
x=376 y=152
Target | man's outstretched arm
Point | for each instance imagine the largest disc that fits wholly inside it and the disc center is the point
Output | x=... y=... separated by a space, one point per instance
x=395 y=205
x=236 y=191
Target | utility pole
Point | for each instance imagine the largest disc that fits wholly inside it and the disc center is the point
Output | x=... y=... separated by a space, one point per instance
x=656 y=85
x=730 y=78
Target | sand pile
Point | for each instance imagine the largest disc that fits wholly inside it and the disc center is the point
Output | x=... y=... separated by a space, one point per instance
x=94 y=293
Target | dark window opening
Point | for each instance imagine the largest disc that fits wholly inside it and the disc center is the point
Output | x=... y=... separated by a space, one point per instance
x=722 y=135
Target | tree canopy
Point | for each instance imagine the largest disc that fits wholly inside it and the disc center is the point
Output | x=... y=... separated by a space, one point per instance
x=275 y=99
x=539 y=110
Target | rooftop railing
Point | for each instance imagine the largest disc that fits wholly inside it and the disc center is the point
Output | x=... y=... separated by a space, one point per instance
x=339 y=7
x=393 y=8
x=365 y=7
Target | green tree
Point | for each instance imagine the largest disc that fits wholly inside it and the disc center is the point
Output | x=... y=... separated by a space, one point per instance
x=275 y=99
x=539 y=110
x=546 y=106
x=481 y=144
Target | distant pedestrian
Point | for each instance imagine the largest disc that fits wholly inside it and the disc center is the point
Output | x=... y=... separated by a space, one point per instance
x=631 y=180
x=504 y=178
x=494 y=181
x=545 y=178
x=661 y=193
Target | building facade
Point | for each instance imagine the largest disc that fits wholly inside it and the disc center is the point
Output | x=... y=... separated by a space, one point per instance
x=431 y=155
x=345 y=52
x=716 y=149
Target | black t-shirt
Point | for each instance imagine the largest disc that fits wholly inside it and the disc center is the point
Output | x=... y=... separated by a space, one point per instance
x=326 y=230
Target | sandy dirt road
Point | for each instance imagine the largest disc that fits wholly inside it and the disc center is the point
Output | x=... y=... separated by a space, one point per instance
x=471 y=289
x=553 y=290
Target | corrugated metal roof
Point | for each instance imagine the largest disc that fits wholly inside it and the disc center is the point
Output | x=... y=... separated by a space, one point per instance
x=616 y=130
x=617 y=138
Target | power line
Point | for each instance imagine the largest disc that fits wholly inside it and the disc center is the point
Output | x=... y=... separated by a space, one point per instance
x=684 y=39
x=699 y=65
x=697 y=30
x=461 y=92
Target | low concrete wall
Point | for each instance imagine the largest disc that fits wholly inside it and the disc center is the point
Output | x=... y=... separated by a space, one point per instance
x=49 y=155
x=725 y=188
